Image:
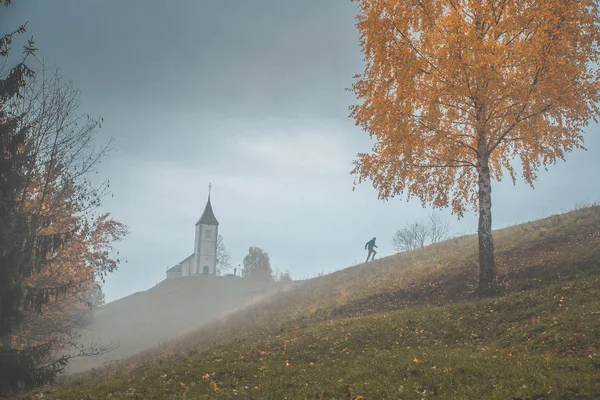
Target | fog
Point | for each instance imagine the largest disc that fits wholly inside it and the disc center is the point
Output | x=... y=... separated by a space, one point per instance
x=148 y=319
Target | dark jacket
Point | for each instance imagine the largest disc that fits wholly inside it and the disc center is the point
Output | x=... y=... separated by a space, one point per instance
x=370 y=244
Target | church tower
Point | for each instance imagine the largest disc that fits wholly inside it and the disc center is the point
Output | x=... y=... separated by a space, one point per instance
x=205 y=245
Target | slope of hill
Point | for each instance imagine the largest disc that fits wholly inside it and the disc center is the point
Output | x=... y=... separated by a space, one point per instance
x=407 y=326
x=146 y=319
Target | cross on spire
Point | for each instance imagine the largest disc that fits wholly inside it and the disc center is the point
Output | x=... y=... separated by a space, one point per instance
x=209 y=187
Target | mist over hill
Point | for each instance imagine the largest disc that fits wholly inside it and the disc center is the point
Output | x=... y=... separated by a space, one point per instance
x=173 y=307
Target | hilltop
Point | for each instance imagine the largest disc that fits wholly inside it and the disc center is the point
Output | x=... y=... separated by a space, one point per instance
x=171 y=308
x=408 y=326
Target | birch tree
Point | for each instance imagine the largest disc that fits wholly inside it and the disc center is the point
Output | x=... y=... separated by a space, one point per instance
x=454 y=90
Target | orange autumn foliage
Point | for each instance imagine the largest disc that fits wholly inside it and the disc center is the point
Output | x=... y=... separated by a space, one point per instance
x=71 y=271
x=53 y=247
x=454 y=91
x=449 y=81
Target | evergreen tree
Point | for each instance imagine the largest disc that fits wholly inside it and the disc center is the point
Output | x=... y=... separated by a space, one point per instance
x=257 y=265
x=22 y=251
x=52 y=245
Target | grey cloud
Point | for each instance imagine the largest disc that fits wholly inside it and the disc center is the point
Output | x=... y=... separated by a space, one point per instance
x=249 y=95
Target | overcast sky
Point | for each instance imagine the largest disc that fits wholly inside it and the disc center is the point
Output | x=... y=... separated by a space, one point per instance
x=248 y=95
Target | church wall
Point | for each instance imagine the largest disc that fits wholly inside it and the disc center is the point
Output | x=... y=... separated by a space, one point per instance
x=186 y=267
x=197 y=236
x=208 y=247
x=171 y=275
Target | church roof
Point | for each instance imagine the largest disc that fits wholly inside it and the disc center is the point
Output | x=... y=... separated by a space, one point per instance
x=187 y=258
x=176 y=268
x=208 y=216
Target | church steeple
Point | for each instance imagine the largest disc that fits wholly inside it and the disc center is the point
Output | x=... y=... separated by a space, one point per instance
x=208 y=216
x=205 y=244
x=204 y=259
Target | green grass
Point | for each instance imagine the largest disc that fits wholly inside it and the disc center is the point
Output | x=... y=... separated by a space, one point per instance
x=404 y=327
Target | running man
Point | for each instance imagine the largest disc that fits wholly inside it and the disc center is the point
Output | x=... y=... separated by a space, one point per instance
x=370 y=245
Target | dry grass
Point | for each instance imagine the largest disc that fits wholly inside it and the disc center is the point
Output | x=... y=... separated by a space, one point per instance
x=406 y=326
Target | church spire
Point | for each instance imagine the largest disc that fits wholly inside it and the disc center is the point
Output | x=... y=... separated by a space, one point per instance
x=208 y=216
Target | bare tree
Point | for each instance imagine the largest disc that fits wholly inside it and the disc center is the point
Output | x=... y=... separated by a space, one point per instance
x=411 y=237
x=438 y=228
x=223 y=257
x=417 y=234
x=286 y=277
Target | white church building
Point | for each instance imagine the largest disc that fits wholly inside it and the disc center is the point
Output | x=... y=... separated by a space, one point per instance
x=203 y=260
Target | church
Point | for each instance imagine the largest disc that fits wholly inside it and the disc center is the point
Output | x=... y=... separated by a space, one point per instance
x=204 y=259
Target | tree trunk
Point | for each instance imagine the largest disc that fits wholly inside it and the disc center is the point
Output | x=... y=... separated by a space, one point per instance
x=487 y=268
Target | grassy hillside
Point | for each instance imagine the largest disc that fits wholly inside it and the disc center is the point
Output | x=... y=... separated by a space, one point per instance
x=146 y=319
x=403 y=327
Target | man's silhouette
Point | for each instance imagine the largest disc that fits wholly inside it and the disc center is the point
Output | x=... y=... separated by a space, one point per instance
x=370 y=244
